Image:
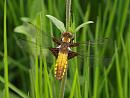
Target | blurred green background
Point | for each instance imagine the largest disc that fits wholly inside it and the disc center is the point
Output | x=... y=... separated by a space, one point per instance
x=104 y=75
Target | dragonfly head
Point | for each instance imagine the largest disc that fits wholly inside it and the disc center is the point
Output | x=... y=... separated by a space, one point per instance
x=67 y=37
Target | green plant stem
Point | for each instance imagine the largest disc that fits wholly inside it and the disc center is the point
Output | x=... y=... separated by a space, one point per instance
x=63 y=86
x=5 y=56
x=40 y=73
x=36 y=69
x=68 y=14
x=68 y=17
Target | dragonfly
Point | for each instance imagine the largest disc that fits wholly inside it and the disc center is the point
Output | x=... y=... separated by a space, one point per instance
x=63 y=52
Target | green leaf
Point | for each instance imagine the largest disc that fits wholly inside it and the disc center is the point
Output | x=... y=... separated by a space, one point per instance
x=26 y=29
x=57 y=23
x=25 y=19
x=83 y=25
x=20 y=29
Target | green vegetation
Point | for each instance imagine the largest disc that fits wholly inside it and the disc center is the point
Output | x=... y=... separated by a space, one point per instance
x=27 y=66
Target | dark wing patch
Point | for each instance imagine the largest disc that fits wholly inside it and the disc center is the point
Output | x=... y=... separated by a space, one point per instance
x=55 y=51
x=72 y=54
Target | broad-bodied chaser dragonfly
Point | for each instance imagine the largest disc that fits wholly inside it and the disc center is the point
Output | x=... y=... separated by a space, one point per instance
x=63 y=51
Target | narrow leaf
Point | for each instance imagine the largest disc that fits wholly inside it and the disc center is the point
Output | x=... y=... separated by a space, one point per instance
x=83 y=25
x=57 y=23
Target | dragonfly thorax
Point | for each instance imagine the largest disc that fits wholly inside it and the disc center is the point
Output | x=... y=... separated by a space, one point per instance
x=64 y=47
x=67 y=37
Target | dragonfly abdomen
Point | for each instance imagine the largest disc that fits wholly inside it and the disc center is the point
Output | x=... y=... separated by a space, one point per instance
x=61 y=65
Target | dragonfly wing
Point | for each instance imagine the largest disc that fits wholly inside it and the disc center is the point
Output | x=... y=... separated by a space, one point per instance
x=55 y=51
x=93 y=43
x=72 y=54
x=105 y=61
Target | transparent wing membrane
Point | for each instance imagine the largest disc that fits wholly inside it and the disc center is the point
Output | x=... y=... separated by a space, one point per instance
x=103 y=60
x=95 y=47
x=47 y=42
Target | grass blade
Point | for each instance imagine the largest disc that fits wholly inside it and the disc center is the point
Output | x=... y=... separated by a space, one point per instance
x=73 y=85
x=5 y=56
x=118 y=72
x=126 y=69
x=111 y=19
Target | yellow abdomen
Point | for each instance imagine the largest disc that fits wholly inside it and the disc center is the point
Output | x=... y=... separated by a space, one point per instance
x=61 y=65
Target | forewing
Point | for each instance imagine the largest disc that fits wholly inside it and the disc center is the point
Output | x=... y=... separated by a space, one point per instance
x=95 y=46
x=30 y=46
x=33 y=32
